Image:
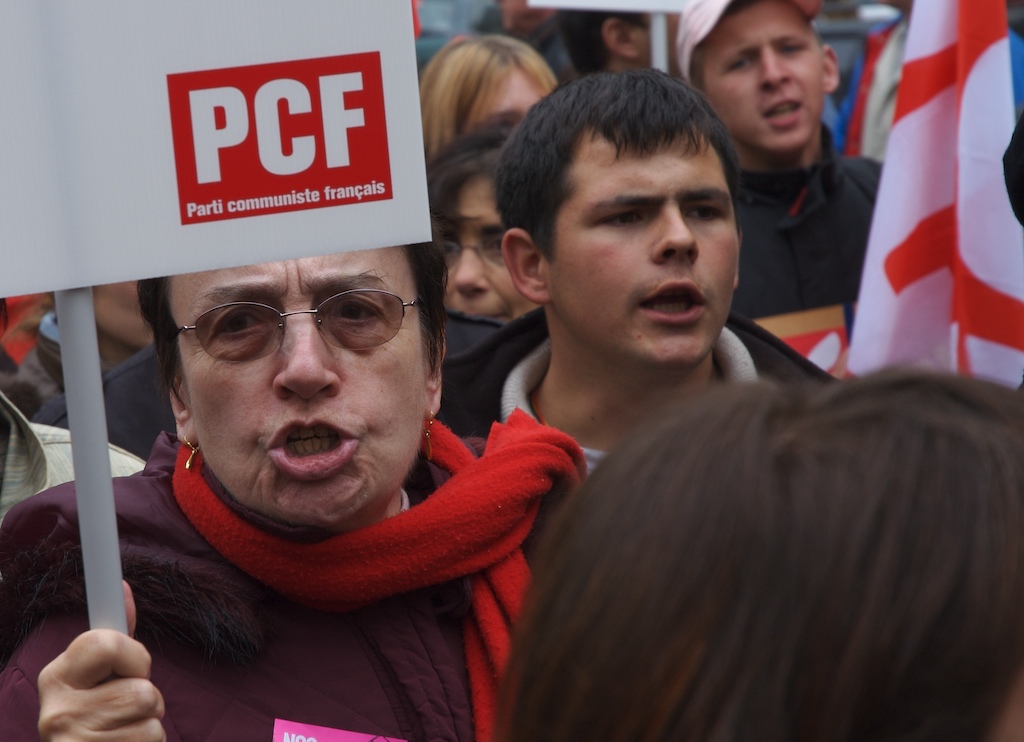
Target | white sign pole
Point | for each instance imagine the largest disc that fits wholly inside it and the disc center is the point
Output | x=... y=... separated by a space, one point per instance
x=94 y=491
x=659 y=42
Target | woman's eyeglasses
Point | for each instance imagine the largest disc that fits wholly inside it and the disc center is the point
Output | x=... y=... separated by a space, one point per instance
x=489 y=250
x=246 y=330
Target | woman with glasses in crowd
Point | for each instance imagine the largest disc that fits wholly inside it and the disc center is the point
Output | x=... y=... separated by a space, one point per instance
x=312 y=551
x=460 y=184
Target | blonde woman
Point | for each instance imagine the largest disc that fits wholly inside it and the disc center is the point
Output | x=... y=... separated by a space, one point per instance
x=474 y=80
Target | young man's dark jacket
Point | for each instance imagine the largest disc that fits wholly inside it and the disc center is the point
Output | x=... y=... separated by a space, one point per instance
x=805 y=232
x=474 y=379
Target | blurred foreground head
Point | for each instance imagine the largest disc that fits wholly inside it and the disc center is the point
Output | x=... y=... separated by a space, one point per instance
x=825 y=563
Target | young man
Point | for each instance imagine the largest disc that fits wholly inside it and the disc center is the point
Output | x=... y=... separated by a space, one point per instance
x=610 y=41
x=804 y=211
x=618 y=192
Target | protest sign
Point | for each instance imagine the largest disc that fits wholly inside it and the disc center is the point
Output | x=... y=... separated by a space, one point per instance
x=165 y=137
x=146 y=139
x=821 y=335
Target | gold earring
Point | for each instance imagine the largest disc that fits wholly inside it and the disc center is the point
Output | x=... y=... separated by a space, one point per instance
x=426 y=435
x=195 y=450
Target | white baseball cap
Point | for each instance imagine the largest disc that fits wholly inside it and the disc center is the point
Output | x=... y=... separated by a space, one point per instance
x=699 y=17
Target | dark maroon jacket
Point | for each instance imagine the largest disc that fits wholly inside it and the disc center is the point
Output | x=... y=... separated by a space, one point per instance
x=229 y=655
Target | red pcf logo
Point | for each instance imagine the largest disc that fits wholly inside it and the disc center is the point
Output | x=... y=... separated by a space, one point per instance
x=279 y=137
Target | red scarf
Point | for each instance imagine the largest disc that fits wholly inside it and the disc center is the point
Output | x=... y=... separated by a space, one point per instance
x=474 y=524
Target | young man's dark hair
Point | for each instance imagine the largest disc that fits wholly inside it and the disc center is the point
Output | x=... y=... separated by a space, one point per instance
x=584 y=39
x=638 y=111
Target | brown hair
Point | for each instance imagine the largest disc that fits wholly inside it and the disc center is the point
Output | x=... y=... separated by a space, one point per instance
x=839 y=562
x=429 y=271
x=458 y=84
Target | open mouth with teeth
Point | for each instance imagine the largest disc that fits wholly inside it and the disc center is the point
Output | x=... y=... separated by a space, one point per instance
x=783 y=109
x=671 y=303
x=309 y=441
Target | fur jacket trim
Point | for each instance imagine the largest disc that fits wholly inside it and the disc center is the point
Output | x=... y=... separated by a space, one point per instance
x=217 y=613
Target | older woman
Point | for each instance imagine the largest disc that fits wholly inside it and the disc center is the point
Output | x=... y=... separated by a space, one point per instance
x=313 y=551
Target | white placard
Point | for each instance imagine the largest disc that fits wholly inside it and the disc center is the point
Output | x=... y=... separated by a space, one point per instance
x=304 y=116
x=632 y=6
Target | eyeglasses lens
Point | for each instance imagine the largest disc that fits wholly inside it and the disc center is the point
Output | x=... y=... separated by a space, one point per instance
x=452 y=252
x=356 y=320
x=239 y=331
x=489 y=250
x=360 y=319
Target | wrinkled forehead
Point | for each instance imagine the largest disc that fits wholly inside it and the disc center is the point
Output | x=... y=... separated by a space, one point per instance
x=300 y=282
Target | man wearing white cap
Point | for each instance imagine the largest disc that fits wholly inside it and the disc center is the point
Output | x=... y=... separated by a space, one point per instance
x=804 y=211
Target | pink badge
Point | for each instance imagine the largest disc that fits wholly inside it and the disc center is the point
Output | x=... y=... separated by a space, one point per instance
x=293 y=731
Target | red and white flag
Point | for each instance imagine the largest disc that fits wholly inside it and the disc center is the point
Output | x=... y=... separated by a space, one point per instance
x=943 y=282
